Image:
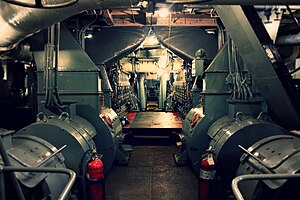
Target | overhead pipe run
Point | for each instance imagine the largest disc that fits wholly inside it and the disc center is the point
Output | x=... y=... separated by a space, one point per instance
x=18 y=23
x=288 y=40
x=52 y=101
x=21 y=53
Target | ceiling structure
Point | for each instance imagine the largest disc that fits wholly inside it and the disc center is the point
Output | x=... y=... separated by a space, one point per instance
x=148 y=14
x=151 y=13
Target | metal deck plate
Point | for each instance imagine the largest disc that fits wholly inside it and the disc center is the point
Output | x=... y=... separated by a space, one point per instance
x=154 y=120
x=151 y=175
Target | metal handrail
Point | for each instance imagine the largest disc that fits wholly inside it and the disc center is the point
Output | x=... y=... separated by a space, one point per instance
x=64 y=193
x=235 y=182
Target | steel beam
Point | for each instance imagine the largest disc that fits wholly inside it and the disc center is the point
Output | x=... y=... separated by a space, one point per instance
x=259 y=65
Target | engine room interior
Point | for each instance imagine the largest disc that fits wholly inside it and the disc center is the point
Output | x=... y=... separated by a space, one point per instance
x=154 y=100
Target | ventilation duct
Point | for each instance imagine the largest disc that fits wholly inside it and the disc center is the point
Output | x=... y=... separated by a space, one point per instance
x=17 y=22
x=288 y=40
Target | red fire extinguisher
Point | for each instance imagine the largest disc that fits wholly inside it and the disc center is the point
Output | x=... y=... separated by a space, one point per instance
x=207 y=175
x=95 y=177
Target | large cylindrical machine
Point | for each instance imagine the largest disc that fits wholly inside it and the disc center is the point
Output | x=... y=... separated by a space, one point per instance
x=79 y=82
x=213 y=106
x=224 y=136
x=76 y=133
x=109 y=134
x=32 y=151
x=227 y=133
x=273 y=155
x=227 y=124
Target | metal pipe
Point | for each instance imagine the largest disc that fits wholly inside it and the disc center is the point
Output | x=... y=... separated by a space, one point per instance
x=142 y=91
x=21 y=52
x=12 y=175
x=248 y=177
x=288 y=40
x=69 y=172
x=162 y=91
x=52 y=100
x=18 y=23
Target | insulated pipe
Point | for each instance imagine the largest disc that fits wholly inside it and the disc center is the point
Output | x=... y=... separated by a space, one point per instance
x=18 y=23
x=289 y=40
x=21 y=52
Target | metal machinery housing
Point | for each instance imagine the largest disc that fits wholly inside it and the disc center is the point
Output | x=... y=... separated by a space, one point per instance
x=75 y=133
x=228 y=125
x=227 y=133
x=268 y=157
x=230 y=115
x=31 y=151
x=86 y=99
x=82 y=124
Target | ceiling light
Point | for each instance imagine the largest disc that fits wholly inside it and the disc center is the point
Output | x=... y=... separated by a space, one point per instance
x=210 y=32
x=152 y=40
x=89 y=36
x=163 y=12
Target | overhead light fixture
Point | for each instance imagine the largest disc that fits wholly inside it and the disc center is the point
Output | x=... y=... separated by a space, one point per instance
x=210 y=32
x=152 y=40
x=143 y=4
x=163 y=12
x=89 y=36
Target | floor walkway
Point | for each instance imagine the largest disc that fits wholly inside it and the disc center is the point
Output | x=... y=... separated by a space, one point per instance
x=154 y=120
x=151 y=175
